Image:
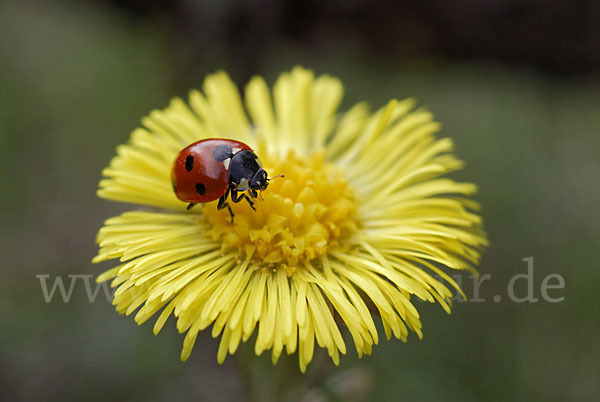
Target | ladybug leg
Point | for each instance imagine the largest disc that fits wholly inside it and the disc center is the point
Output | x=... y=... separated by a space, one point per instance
x=237 y=198
x=190 y=205
x=223 y=204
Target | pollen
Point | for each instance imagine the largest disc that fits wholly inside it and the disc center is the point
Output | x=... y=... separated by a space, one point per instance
x=304 y=215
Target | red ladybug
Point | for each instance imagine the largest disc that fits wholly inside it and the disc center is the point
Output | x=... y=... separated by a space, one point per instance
x=216 y=168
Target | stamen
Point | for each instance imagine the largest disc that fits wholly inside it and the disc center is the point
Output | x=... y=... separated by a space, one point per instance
x=298 y=220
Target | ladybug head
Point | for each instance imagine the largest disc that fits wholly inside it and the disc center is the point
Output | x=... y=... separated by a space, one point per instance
x=259 y=181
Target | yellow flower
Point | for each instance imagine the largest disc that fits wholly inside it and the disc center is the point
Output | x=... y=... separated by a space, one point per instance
x=361 y=223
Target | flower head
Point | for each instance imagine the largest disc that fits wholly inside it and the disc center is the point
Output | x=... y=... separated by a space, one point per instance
x=362 y=223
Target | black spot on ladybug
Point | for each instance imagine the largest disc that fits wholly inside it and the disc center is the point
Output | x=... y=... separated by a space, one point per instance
x=222 y=152
x=200 y=189
x=189 y=163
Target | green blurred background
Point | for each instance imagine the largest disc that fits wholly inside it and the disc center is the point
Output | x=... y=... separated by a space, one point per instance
x=515 y=83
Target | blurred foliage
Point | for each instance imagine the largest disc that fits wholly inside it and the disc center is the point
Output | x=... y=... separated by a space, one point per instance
x=76 y=78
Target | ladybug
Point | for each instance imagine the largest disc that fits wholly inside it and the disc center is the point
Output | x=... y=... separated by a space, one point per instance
x=217 y=168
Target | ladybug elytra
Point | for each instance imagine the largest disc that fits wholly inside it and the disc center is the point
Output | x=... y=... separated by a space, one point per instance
x=216 y=168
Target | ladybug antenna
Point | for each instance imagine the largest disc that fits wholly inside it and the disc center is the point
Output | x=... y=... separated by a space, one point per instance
x=269 y=179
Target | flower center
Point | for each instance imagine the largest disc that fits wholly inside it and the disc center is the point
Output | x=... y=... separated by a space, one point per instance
x=309 y=211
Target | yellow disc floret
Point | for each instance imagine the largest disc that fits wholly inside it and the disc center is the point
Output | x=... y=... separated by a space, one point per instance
x=302 y=216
